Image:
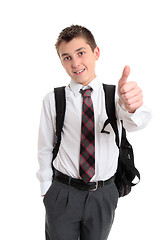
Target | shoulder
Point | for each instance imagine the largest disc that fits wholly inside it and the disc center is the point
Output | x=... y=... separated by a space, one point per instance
x=48 y=99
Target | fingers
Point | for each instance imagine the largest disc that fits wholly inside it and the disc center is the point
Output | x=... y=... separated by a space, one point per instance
x=132 y=97
x=132 y=107
x=125 y=74
x=128 y=87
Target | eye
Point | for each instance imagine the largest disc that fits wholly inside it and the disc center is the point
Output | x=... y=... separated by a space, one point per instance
x=81 y=53
x=66 y=58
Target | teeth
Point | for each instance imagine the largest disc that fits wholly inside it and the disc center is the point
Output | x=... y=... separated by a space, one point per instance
x=80 y=71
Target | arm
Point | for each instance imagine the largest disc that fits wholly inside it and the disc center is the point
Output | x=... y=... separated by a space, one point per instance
x=46 y=143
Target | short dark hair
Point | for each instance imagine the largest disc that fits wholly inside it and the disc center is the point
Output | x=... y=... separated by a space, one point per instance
x=75 y=31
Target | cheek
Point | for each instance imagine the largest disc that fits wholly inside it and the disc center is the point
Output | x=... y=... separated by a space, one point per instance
x=66 y=67
x=91 y=64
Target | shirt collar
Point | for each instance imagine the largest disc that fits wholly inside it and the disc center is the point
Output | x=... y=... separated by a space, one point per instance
x=75 y=87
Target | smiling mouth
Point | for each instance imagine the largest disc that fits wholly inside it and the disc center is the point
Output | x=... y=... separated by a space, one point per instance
x=80 y=71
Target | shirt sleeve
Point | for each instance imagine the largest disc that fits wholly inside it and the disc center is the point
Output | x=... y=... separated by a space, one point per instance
x=133 y=121
x=46 y=142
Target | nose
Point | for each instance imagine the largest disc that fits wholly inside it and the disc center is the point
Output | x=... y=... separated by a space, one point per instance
x=75 y=62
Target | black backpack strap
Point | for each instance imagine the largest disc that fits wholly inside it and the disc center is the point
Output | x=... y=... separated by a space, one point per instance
x=60 y=103
x=109 y=91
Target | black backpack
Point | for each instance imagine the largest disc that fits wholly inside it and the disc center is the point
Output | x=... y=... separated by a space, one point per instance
x=126 y=171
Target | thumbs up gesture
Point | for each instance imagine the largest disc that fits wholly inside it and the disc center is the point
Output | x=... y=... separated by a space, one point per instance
x=130 y=94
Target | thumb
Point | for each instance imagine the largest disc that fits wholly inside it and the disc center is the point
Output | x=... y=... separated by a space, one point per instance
x=125 y=74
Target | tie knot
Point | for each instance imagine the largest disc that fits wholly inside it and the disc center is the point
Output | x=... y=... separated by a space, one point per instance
x=86 y=92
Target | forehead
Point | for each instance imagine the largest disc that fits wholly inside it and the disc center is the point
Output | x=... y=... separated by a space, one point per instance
x=72 y=46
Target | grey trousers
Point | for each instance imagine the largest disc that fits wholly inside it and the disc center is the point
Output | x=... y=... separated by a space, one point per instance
x=73 y=214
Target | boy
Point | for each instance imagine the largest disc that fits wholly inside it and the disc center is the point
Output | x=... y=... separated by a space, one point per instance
x=81 y=200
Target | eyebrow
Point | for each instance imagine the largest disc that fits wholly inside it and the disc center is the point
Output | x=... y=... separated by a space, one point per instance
x=77 y=50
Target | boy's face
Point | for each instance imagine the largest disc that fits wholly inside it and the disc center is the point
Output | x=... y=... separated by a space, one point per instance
x=78 y=59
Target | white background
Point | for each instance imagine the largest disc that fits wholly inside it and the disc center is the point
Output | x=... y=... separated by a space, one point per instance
x=127 y=32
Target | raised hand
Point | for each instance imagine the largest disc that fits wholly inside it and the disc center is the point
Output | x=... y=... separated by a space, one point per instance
x=130 y=94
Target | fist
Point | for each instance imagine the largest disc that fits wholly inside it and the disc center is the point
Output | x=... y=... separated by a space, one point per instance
x=130 y=94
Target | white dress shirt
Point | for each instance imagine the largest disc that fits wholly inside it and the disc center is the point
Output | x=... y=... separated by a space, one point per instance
x=106 y=151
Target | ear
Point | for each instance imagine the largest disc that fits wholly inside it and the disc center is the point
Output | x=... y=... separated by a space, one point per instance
x=97 y=53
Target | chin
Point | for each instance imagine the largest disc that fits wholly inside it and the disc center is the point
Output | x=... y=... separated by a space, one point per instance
x=79 y=81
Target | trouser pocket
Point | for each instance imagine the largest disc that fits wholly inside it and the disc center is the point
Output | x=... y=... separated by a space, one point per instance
x=111 y=195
